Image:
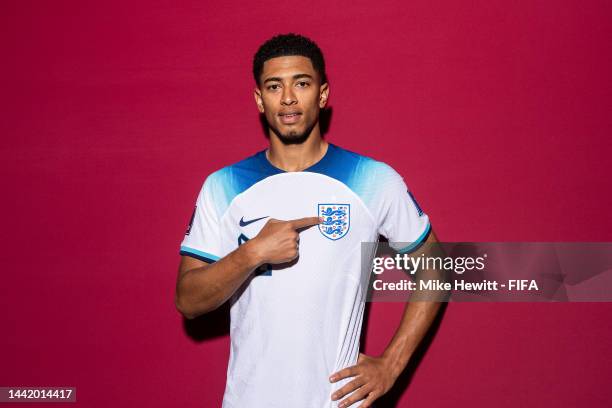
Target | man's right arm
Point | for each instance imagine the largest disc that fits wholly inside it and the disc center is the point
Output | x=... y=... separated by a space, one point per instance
x=202 y=287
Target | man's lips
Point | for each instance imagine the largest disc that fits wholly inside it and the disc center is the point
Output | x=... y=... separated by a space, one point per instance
x=289 y=117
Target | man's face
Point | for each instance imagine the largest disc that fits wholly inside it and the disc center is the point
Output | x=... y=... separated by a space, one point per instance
x=290 y=96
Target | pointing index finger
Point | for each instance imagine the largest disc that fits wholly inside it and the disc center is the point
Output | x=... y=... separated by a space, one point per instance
x=304 y=222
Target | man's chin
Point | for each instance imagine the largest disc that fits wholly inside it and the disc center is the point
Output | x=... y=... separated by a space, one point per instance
x=292 y=137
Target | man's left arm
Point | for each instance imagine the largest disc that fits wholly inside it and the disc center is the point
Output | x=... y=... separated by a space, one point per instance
x=374 y=376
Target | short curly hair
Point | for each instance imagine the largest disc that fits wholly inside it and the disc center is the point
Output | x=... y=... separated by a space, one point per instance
x=285 y=45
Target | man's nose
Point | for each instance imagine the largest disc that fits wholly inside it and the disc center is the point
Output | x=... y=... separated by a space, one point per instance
x=288 y=97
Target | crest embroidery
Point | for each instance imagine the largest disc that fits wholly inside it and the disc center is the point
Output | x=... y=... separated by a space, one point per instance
x=336 y=220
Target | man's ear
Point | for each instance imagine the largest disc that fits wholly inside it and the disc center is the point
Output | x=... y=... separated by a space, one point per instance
x=323 y=95
x=258 y=100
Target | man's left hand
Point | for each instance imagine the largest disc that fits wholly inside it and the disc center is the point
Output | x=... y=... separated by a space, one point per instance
x=373 y=377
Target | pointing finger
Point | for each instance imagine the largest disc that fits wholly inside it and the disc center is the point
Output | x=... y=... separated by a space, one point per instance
x=304 y=222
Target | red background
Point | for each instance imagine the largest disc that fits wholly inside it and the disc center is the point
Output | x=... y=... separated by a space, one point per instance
x=496 y=113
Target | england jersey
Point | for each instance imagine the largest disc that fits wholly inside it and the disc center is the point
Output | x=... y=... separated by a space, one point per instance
x=292 y=327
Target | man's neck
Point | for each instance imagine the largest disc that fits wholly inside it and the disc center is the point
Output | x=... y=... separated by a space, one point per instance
x=296 y=157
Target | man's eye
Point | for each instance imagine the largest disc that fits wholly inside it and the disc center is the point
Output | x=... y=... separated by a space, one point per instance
x=303 y=84
x=273 y=87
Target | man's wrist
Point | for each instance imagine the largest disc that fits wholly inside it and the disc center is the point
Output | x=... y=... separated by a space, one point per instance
x=395 y=362
x=252 y=254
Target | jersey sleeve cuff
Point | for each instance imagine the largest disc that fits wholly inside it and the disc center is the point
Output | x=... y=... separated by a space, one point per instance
x=418 y=242
x=201 y=255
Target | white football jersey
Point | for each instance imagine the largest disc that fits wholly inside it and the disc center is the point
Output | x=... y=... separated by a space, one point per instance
x=292 y=327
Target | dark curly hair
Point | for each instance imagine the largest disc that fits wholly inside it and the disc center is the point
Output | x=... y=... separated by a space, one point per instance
x=285 y=45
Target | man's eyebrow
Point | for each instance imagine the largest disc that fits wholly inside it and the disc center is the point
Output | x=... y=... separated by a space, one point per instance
x=296 y=76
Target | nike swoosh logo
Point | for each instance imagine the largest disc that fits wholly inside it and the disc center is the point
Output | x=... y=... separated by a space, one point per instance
x=244 y=223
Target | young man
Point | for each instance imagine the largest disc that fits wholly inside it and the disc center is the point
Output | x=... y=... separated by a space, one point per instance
x=279 y=235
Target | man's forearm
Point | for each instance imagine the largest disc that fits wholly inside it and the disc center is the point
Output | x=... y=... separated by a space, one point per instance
x=204 y=289
x=416 y=320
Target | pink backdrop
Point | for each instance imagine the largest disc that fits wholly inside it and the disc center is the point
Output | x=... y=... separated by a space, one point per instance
x=496 y=113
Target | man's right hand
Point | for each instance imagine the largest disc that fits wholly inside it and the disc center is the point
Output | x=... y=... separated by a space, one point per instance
x=277 y=242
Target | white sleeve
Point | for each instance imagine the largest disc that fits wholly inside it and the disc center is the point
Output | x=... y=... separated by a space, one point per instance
x=402 y=222
x=202 y=239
